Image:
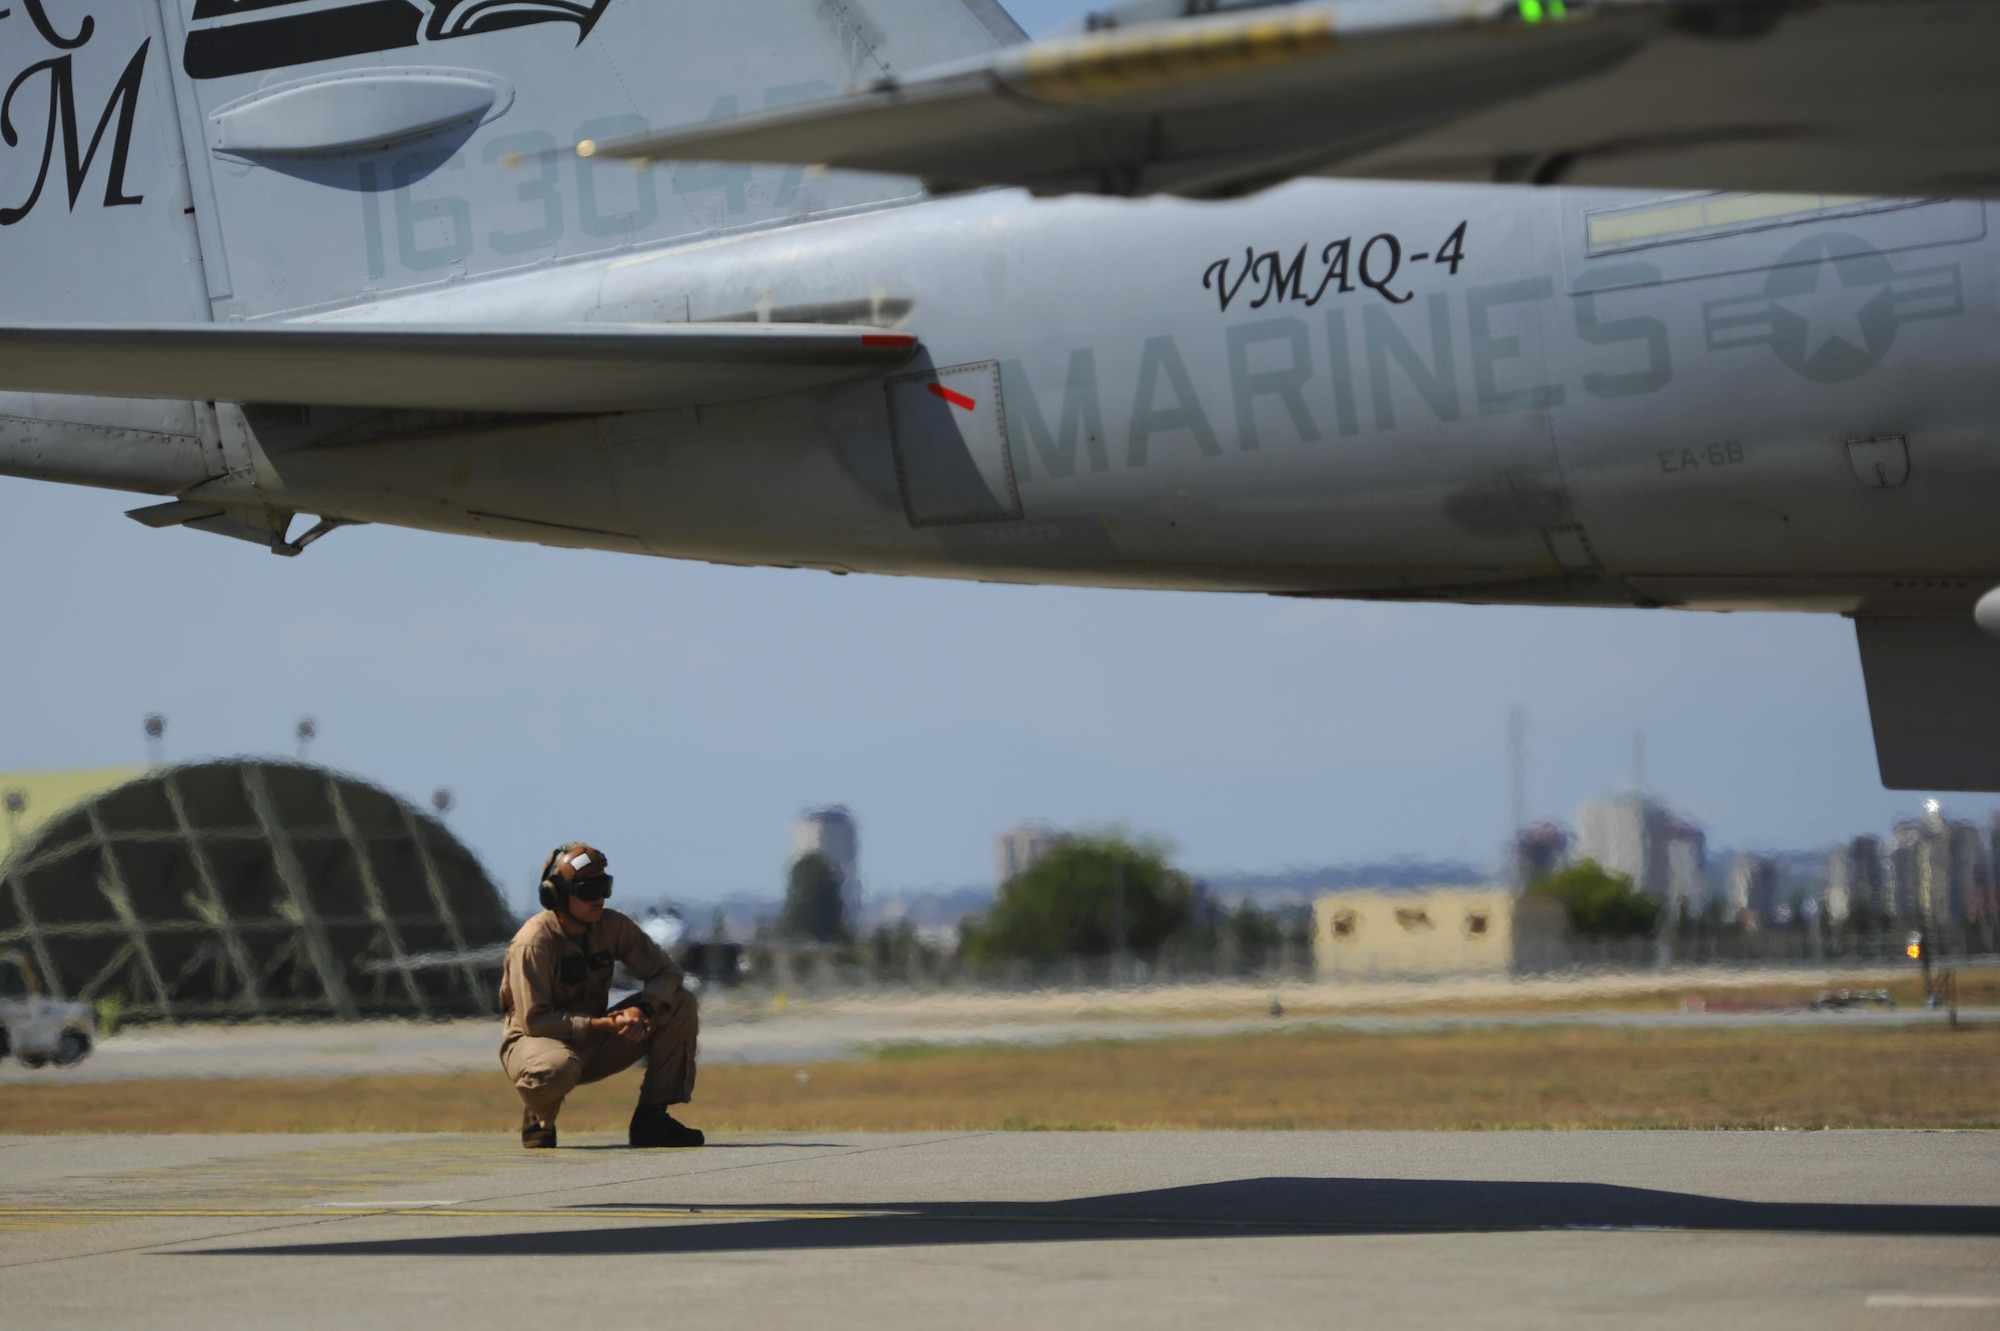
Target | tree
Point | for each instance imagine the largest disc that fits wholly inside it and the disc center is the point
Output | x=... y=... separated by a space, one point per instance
x=813 y=905
x=1599 y=904
x=1251 y=939
x=1089 y=897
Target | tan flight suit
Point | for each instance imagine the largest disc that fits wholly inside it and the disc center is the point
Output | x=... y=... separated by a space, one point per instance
x=555 y=983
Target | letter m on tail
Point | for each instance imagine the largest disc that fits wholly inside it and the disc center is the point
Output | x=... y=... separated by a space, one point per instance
x=77 y=161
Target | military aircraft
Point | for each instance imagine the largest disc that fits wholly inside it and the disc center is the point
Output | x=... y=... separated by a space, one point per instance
x=1663 y=303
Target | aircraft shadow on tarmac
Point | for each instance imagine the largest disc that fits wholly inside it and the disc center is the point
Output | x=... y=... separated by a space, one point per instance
x=727 y=1146
x=1246 y=1208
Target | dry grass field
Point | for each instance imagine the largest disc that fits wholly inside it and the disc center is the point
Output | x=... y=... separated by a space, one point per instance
x=1715 y=989
x=1556 y=1077
x=1977 y=987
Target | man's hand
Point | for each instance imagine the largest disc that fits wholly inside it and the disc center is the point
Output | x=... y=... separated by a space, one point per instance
x=628 y=1022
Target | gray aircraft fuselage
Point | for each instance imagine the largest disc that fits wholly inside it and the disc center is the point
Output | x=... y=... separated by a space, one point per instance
x=1479 y=393
x=1333 y=388
x=355 y=261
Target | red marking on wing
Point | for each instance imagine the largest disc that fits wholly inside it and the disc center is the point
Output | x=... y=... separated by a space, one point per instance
x=956 y=399
x=887 y=340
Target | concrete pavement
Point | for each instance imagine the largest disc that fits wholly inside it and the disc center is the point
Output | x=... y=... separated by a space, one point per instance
x=1004 y=1230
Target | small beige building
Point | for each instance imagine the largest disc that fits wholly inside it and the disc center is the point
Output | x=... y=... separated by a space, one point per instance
x=1428 y=932
x=29 y=799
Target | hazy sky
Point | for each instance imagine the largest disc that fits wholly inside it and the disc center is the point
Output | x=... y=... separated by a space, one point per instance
x=709 y=705
x=1038 y=16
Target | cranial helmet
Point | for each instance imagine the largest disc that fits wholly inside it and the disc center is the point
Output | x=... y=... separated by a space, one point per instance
x=574 y=867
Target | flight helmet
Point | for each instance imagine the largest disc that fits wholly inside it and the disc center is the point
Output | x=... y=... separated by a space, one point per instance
x=574 y=869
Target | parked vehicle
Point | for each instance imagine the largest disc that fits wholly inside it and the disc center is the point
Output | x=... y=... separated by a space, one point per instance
x=38 y=1029
x=1843 y=999
x=723 y=964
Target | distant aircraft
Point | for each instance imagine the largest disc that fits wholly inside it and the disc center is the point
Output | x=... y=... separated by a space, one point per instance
x=1665 y=303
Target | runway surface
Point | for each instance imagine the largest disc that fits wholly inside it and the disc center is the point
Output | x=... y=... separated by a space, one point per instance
x=1009 y=1230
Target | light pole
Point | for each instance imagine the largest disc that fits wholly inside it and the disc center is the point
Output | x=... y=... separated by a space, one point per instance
x=308 y=731
x=442 y=800
x=1118 y=966
x=156 y=745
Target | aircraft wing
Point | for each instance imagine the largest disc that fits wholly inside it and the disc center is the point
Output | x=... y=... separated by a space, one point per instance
x=574 y=368
x=1839 y=96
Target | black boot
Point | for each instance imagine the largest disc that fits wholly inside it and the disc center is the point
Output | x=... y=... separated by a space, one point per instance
x=535 y=1134
x=652 y=1125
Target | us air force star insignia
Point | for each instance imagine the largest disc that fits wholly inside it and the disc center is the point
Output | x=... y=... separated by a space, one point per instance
x=1831 y=306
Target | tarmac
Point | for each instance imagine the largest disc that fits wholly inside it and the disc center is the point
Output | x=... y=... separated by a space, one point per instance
x=1008 y=1230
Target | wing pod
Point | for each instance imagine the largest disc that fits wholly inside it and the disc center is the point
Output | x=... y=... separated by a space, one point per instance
x=1841 y=96
x=579 y=368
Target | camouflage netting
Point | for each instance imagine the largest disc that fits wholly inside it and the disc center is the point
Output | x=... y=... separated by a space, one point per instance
x=243 y=889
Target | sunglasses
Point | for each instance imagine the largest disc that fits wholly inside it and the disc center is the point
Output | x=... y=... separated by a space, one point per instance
x=591 y=889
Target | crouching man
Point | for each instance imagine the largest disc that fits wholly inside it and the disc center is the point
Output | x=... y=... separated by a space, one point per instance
x=553 y=995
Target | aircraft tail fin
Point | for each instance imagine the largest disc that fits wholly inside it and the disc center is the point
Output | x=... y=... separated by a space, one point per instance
x=176 y=160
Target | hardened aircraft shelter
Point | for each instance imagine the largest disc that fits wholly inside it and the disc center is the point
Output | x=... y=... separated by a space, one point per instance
x=249 y=889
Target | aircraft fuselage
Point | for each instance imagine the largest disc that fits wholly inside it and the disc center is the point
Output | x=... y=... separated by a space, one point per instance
x=1449 y=392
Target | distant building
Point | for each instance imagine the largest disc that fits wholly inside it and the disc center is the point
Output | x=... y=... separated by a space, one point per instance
x=1540 y=850
x=29 y=799
x=245 y=889
x=1664 y=855
x=1907 y=871
x=1016 y=849
x=1687 y=868
x=1989 y=903
x=1971 y=875
x=1752 y=896
x=940 y=938
x=1993 y=866
x=1938 y=869
x=1371 y=935
x=1624 y=835
x=832 y=833
x=1855 y=883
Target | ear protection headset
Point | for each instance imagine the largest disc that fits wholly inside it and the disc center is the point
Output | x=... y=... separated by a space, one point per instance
x=551 y=899
x=571 y=863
